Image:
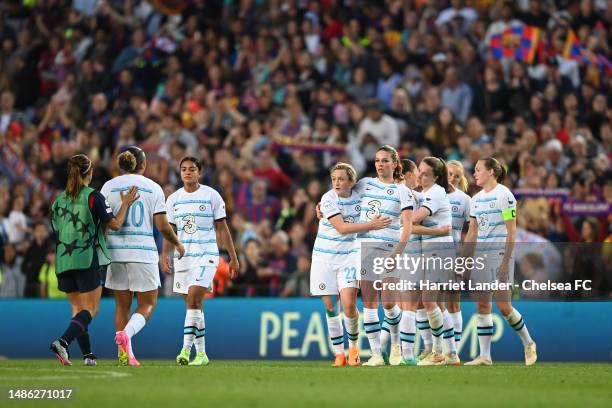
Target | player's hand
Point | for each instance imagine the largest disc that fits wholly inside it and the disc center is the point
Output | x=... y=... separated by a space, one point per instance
x=390 y=264
x=318 y=210
x=165 y=264
x=502 y=275
x=181 y=250
x=131 y=196
x=234 y=267
x=380 y=222
x=445 y=230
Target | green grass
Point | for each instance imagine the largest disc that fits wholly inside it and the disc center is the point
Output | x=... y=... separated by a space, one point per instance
x=311 y=384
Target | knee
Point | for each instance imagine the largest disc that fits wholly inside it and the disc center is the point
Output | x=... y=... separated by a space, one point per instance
x=370 y=305
x=483 y=308
x=453 y=307
x=504 y=308
x=388 y=305
x=350 y=310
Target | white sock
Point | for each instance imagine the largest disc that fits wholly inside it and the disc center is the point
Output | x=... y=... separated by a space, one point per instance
x=351 y=324
x=390 y=327
x=371 y=325
x=393 y=316
x=484 y=324
x=449 y=333
x=422 y=324
x=518 y=324
x=189 y=330
x=457 y=319
x=436 y=322
x=136 y=323
x=336 y=332
x=200 y=343
x=385 y=335
x=407 y=333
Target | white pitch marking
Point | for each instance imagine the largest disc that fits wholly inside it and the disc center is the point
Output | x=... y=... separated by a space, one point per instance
x=89 y=374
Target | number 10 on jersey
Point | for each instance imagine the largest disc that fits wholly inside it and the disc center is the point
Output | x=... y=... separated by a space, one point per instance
x=135 y=215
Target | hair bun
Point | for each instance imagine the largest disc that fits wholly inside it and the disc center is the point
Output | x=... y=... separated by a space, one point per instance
x=127 y=161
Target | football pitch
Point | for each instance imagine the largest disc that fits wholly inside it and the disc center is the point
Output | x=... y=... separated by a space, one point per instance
x=307 y=383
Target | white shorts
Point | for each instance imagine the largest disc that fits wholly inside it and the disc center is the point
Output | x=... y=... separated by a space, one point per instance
x=328 y=278
x=439 y=263
x=492 y=264
x=371 y=260
x=201 y=276
x=132 y=276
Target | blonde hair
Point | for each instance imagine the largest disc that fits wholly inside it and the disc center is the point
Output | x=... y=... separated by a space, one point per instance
x=463 y=183
x=398 y=173
x=127 y=161
x=350 y=171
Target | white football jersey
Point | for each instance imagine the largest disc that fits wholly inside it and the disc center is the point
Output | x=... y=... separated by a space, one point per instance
x=194 y=215
x=330 y=245
x=385 y=200
x=490 y=209
x=436 y=200
x=414 y=243
x=134 y=242
x=460 y=212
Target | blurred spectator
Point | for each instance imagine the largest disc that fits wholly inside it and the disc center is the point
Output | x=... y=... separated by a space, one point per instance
x=259 y=205
x=47 y=278
x=248 y=282
x=281 y=262
x=34 y=258
x=444 y=133
x=299 y=281
x=456 y=95
x=17 y=222
x=270 y=94
x=376 y=129
x=12 y=283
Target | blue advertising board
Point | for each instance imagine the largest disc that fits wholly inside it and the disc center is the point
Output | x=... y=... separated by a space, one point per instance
x=296 y=329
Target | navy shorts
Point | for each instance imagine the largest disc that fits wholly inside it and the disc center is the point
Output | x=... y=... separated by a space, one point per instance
x=81 y=280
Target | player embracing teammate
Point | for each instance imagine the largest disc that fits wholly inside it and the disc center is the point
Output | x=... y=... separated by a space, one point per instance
x=442 y=207
x=134 y=258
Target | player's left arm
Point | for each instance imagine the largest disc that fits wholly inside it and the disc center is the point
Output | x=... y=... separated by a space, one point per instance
x=406 y=218
x=228 y=243
x=508 y=207
x=429 y=207
x=161 y=221
x=224 y=234
x=422 y=230
x=407 y=204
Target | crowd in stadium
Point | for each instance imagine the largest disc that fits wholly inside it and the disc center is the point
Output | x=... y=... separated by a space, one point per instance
x=270 y=94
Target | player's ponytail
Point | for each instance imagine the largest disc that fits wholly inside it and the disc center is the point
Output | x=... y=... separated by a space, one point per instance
x=398 y=173
x=463 y=183
x=78 y=167
x=499 y=171
x=440 y=171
